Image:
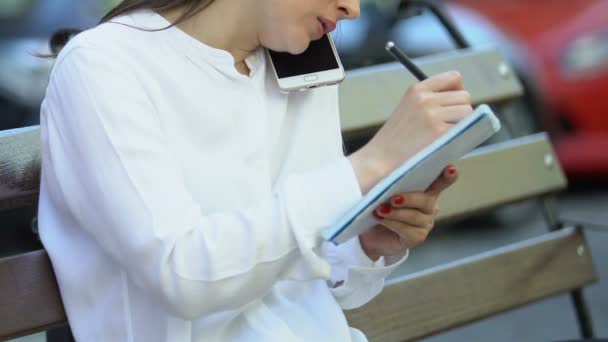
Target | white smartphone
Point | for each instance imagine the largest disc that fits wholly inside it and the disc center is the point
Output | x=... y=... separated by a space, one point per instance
x=318 y=66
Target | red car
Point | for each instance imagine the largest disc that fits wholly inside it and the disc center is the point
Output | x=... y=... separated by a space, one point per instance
x=565 y=58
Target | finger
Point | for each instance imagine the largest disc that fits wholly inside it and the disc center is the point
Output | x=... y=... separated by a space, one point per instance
x=412 y=236
x=447 y=178
x=450 y=80
x=410 y=217
x=453 y=114
x=421 y=201
x=454 y=97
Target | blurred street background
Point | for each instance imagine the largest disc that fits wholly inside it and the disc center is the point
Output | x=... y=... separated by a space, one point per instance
x=559 y=49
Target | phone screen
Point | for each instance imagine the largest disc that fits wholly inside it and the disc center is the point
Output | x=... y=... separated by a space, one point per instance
x=318 y=57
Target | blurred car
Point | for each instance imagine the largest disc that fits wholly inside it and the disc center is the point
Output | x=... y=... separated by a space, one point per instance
x=559 y=49
x=567 y=49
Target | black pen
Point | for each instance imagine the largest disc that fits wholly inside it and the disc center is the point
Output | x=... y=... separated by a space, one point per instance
x=406 y=61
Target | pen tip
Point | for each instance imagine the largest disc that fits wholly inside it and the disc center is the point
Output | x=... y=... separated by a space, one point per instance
x=389 y=45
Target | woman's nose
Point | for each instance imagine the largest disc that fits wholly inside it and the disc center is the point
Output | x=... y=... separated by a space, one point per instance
x=348 y=9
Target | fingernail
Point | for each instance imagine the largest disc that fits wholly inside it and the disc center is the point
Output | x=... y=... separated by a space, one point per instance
x=385 y=209
x=376 y=215
x=452 y=170
x=398 y=199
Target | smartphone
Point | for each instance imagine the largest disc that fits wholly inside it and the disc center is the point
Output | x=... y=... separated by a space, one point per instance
x=318 y=66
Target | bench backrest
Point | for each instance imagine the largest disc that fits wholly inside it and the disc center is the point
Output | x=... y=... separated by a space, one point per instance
x=443 y=297
x=30 y=300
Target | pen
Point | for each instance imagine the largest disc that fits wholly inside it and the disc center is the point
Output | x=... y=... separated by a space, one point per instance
x=405 y=60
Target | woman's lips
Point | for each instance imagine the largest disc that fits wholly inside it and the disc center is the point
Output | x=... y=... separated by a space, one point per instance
x=320 y=30
x=328 y=25
x=324 y=26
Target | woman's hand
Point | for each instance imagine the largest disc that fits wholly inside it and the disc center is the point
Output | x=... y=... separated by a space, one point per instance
x=407 y=220
x=427 y=110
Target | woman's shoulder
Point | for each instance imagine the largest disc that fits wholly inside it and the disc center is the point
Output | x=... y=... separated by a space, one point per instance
x=121 y=37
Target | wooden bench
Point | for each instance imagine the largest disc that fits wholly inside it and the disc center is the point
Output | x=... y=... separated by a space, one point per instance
x=450 y=295
x=446 y=296
x=29 y=297
x=556 y=262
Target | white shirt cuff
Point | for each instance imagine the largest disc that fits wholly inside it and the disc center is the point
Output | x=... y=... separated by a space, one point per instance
x=358 y=279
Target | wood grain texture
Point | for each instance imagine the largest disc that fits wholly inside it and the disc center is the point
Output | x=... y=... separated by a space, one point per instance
x=19 y=167
x=29 y=296
x=434 y=300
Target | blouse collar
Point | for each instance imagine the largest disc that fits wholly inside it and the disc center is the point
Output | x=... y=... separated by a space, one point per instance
x=195 y=50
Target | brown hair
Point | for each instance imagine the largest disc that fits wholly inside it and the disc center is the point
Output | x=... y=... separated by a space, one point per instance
x=190 y=7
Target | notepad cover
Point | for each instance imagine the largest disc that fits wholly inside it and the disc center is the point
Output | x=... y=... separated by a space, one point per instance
x=417 y=173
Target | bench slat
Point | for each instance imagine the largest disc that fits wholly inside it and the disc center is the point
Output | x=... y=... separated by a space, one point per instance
x=29 y=297
x=19 y=167
x=369 y=95
x=500 y=174
x=440 y=298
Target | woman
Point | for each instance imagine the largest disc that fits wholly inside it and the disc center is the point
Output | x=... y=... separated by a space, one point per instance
x=182 y=194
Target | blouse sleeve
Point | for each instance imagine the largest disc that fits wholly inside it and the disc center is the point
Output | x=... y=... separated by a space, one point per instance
x=110 y=167
x=355 y=279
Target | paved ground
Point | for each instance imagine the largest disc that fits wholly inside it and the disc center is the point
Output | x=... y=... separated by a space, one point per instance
x=548 y=320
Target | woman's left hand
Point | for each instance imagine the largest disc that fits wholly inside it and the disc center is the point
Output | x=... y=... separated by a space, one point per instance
x=407 y=220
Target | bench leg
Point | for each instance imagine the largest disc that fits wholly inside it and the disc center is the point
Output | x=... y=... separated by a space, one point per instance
x=60 y=334
x=582 y=314
x=549 y=211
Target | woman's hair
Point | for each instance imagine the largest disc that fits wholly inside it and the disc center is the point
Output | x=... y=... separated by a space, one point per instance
x=191 y=8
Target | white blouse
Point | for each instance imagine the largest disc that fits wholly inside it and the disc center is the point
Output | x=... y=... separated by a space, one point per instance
x=182 y=201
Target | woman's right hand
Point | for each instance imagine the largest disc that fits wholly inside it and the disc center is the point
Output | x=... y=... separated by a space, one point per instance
x=426 y=111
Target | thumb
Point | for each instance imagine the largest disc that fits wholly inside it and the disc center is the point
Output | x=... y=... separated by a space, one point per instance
x=445 y=179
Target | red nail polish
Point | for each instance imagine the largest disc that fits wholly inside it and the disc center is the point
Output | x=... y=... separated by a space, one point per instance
x=452 y=170
x=376 y=215
x=385 y=209
x=398 y=199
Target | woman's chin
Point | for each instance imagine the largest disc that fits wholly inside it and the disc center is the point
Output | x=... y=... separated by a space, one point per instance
x=299 y=48
x=298 y=51
x=298 y=44
x=294 y=45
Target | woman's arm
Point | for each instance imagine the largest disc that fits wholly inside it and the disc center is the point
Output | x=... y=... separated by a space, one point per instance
x=109 y=166
x=426 y=110
x=354 y=279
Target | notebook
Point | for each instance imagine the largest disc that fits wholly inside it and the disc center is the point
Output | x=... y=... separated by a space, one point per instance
x=417 y=173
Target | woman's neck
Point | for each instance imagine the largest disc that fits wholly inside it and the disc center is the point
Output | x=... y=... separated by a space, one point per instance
x=211 y=26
